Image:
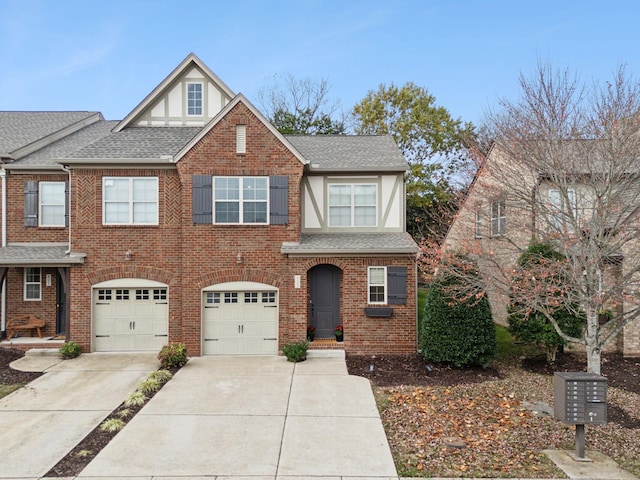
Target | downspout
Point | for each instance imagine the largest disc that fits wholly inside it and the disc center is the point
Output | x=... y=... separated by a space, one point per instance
x=3 y=308
x=68 y=252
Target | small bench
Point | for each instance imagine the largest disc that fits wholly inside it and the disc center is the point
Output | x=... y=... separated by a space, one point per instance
x=24 y=322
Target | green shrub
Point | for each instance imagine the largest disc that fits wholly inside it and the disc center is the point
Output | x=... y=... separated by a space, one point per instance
x=533 y=328
x=70 y=350
x=173 y=355
x=148 y=386
x=458 y=331
x=136 y=399
x=112 y=425
x=296 y=352
x=161 y=376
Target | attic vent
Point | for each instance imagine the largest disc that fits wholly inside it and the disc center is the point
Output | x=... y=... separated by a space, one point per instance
x=241 y=139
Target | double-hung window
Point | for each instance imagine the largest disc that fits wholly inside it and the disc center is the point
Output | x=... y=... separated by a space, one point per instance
x=239 y=200
x=130 y=201
x=194 y=99
x=32 y=284
x=561 y=214
x=478 y=222
x=352 y=205
x=498 y=218
x=52 y=204
x=377 y=284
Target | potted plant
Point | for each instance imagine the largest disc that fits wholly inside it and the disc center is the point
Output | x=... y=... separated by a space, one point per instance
x=339 y=333
x=311 y=333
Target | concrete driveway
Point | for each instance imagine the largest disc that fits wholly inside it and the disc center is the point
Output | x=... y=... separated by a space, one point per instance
x=258 y=417
x=42 y=422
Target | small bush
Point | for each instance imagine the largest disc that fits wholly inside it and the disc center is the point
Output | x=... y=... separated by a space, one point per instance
x=458 y=331
x=70 y=350
x=296 y=352
x=173 y=355
x=112 y=425
x=160 y=376
x=136 y=399
x=148 y=386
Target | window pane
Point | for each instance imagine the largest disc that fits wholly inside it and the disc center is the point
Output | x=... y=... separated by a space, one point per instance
x=339 y=195
x=116 y=213
x=376 y=276
x=52 y=193
x=116 y=190
x=227 y=188
x=376 y=294
x=254 y=212
x=340 y=216
x=194 y=99
x=364 y=194
x=227 y=212
x=145 y=212
x=52 y=216
x=145 y=189
x=365 y=216
x=254 y=189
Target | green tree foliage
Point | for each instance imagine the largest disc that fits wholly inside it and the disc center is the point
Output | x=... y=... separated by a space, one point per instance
x=301 y=107
x=431 y=140
x=530 y=326
x=457 y=329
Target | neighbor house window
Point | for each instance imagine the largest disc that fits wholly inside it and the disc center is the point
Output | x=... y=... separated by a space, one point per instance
x=194 y=99
x=561 y=213
x=52 y=204
x=32 y=283
x=352 y=205
x=478 y=223
x=238 y=200
x=241 y=139
x=377 y=284
x=130 y=201
x=498 y=218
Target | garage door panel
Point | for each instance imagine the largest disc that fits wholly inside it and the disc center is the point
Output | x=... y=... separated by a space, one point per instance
x=240 y=323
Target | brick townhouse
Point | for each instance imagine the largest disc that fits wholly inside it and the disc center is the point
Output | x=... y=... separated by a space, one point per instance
x=194 y=220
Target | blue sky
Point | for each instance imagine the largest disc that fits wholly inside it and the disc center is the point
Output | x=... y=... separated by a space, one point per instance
x=107 y=55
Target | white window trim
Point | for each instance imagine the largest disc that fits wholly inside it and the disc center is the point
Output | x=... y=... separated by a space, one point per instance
x=241 y=201
x=130 y=201
x=41 y=204
x=352 y=205
x=384 y=285
x=39 y=283
x=201 y=100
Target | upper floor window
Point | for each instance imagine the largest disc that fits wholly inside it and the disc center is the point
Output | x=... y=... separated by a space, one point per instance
x=32 y=283
x=561 y=214
x=130 y=201
x=52 y=204
x=478 y=222
x=194 y=99
x=241 y=199
x=377 y=282
x=498 y=217
x=352 y=205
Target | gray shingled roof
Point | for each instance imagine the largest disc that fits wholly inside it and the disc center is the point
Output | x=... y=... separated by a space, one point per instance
x=349 y=152
x=38 y=254
x=351 y=243
x=19 y=129
x=138 y=143
x=49 y=156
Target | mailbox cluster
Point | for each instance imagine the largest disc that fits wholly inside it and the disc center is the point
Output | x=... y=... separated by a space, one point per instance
x=580 y=398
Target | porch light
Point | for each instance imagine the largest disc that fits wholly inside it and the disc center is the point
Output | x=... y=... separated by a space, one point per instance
x=239 y=258
x=128 y=255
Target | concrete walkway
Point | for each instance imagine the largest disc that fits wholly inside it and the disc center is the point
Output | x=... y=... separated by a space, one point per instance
x=42 y=422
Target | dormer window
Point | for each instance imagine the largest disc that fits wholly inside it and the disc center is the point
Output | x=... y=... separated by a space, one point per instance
x=194 y=99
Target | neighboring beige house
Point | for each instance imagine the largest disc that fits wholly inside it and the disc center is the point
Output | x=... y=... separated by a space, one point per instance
x=508 y=205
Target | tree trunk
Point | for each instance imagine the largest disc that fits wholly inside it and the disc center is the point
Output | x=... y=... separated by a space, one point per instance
x=592 y=342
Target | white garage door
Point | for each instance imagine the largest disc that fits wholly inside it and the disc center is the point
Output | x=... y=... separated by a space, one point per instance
x=130 y=319
x=240 y=322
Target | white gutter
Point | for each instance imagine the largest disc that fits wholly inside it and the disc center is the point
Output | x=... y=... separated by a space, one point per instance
x=3 y=307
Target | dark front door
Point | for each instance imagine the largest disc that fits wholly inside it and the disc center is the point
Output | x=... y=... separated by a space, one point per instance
x=61 y=304
x=324 y=295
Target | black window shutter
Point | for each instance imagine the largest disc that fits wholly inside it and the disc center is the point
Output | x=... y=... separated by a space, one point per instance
x=202 y=199
x=397 y=281
x=66 y=203
x=30 y=203
x=279 y=200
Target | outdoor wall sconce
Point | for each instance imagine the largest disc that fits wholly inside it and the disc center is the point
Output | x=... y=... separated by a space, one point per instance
x=239 y=258
x=128 y=255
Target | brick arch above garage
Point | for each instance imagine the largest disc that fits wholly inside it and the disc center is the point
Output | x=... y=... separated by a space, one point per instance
x=130 y=271
x=238 y=275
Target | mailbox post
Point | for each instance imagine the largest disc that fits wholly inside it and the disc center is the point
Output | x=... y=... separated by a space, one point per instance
x=580 y=398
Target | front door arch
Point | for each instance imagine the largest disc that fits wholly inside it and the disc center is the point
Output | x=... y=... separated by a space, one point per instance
x=324 y=299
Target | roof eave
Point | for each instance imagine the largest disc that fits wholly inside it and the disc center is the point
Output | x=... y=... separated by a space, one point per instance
x=394 y=169
x=132 y=162
x=343 y=252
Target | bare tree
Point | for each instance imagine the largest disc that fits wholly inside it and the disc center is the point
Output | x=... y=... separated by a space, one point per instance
x=564 y=169
x=301 y=106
